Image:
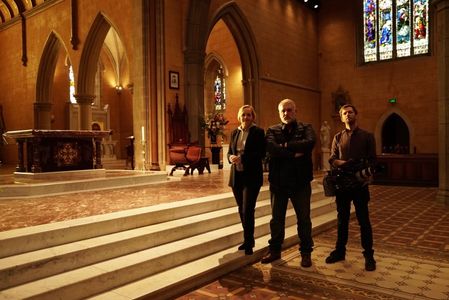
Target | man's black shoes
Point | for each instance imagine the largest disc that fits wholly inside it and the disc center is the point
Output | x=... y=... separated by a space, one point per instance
x=270 y=257
x=334 y=257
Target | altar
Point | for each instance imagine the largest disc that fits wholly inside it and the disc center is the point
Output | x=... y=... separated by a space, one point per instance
x=42 y=150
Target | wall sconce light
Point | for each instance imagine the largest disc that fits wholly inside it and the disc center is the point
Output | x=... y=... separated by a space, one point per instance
x=118 y=88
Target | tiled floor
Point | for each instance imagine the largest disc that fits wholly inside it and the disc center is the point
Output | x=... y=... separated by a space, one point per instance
x=411 y=235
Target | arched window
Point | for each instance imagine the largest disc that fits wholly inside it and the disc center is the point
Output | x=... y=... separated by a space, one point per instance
x=220 y=91
x=395 y=28
x=72 y=85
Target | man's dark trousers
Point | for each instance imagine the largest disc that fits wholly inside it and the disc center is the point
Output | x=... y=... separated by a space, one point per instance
x=300 y=198
x=360 y=199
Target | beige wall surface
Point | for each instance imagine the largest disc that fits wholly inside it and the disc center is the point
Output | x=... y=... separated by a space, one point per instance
x=285 y=35
x=18 y=82
x=412 y=81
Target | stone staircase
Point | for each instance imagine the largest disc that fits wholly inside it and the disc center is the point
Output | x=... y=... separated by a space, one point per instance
x=156 y=252
x=115 y=164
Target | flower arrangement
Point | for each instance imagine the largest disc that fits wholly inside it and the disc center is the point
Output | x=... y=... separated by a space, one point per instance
x=214 y=124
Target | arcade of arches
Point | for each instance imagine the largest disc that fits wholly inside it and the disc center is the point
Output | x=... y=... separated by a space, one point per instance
x=71 y=64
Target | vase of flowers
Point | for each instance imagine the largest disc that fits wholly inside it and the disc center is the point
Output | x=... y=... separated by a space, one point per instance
x=214 y=124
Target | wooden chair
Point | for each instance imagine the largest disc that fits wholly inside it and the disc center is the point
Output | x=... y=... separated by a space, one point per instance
x=181 y=153
x=177 y=155
x=196 y=161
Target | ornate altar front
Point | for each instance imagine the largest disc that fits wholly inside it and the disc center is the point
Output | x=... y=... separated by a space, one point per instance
x=57 y=150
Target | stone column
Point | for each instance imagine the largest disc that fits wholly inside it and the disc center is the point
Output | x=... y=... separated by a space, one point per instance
x=442 y=51
x=42 y=115
x=194 y=93
x=85 y=105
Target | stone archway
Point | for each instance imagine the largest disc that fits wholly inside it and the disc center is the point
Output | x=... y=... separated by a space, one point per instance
x=44 y=83
x=85 y=88
x=396 y=113
x=198 y=30
x=395 y=135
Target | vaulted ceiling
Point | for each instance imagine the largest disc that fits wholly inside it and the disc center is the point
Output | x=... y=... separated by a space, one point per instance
x=11 y=9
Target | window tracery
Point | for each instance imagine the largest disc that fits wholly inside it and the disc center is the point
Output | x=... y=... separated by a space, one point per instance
x=220 y=91
x=394 y=29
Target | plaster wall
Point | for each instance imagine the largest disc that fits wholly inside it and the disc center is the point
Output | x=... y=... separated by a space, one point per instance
x=412 y=81
x=19 y=82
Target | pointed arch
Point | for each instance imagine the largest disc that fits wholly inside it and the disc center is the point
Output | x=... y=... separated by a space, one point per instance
x=91 y=54
x=240 y=29
x=211 y=57
x=381 y=121
x=47 y=66
x=213 y=63
x=44 y=81
x=199 y=25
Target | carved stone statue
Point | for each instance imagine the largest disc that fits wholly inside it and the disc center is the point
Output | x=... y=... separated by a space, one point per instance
x=325 y=135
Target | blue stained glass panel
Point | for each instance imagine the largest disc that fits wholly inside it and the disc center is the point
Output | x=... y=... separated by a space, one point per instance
x=370 y=19
x=385 y=29
x=403 y=30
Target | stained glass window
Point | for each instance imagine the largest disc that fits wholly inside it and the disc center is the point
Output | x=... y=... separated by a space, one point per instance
x=395 y=28
x=370 y=16
x=72 y=85
x=220 y=91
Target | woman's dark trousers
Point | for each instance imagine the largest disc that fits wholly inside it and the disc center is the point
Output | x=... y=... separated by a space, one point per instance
x=246 y=197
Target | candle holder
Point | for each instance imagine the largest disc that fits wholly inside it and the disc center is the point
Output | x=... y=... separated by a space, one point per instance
x=144 y=161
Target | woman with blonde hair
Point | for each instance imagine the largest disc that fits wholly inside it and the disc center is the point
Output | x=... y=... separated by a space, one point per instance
x=246 y=152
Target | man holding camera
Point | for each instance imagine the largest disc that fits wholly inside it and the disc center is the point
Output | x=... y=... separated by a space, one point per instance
x=349 y=147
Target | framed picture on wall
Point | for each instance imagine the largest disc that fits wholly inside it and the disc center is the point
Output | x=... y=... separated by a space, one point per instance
x=173 y=77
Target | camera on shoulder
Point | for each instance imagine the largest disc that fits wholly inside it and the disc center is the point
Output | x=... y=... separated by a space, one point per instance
x=351 y=175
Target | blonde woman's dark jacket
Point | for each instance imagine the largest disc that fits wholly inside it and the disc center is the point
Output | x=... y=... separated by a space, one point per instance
x=252 y=157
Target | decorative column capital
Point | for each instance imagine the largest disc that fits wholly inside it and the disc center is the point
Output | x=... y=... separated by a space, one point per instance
x=84 y=99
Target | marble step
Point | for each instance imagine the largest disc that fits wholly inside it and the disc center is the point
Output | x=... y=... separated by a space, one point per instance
x=177 y=281
x=106 y=275
x=22 y=268
x=230 y=235
x=42 y=236
x=26 y=267
x=24 y=187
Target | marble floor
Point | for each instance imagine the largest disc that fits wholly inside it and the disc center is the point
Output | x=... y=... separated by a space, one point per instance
x=411 y=235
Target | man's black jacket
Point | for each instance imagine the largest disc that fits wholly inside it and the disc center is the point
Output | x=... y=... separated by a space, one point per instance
x=282 y=141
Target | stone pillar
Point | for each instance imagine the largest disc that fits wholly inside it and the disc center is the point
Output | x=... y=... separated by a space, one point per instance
x=194 y=94
x=442 y=51
x=42 y=115
x=85 y=106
